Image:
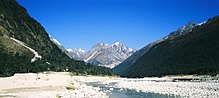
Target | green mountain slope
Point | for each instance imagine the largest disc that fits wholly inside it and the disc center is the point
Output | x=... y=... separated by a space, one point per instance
x=193 y=53
x=15 y=23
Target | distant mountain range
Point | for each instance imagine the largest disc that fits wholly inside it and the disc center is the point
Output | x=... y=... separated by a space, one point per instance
x=103 y=54
x=192 y=49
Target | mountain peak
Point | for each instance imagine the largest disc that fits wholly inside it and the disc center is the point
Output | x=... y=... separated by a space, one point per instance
x=81 y=50
x=116 y=43
x=184 y=29
x=191 y=23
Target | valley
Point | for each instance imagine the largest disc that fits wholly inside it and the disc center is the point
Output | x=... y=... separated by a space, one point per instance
x=138 y=63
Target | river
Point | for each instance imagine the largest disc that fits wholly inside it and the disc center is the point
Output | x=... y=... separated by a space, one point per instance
x=113 y=92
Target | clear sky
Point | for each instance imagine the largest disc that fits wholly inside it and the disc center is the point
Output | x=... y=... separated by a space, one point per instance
x=135 y=23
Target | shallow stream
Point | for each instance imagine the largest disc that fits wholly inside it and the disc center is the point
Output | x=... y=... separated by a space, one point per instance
x=113 y=92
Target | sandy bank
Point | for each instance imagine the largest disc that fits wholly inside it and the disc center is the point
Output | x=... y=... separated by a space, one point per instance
x=47 y=85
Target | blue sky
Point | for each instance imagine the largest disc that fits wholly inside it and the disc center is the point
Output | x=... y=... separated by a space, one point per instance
x=135 y=23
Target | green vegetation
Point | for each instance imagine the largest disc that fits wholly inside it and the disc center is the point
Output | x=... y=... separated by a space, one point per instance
x=192 y=53
x=13 y=47
x=14 y=58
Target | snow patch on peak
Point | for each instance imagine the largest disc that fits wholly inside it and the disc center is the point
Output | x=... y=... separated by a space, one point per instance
x=116 y=44
x=202 y=23
x=69 y=50
x=130 y=49
x=101 y=43
x=56 y=41
x=81 y=50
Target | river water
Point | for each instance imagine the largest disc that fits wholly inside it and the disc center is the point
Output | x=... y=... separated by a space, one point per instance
x=113 y=92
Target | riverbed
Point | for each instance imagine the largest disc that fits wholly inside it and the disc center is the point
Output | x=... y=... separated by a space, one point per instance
x=65 y=85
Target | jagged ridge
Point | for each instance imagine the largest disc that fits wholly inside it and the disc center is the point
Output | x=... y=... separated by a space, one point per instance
x=103 y=54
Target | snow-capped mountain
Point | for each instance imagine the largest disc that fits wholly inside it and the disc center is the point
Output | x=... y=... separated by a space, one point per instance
x=108 y=55
x=76 y=54
x=103 y=54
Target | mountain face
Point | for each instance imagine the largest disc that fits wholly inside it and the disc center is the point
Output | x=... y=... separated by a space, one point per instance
x=25 y=46
x=103 y=54
x=121 y=68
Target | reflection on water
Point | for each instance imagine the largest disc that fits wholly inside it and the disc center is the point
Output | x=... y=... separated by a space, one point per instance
x=126 y=93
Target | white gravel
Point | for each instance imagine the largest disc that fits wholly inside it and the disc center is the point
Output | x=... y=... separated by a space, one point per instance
x=184 y=89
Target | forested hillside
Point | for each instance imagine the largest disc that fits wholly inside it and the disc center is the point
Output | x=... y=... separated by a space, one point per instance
x=193 y=53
